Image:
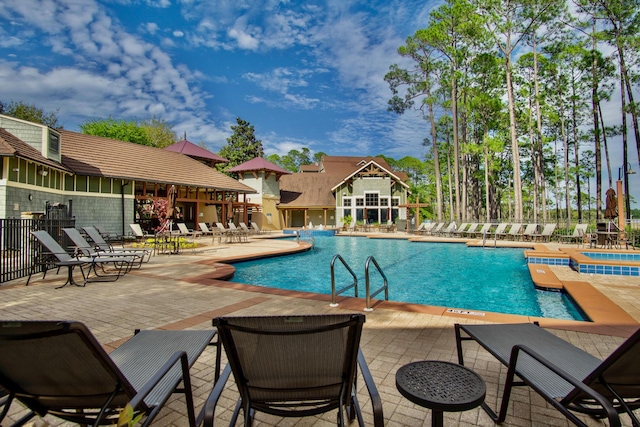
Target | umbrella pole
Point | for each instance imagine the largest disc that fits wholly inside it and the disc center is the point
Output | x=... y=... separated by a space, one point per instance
x=621 y=212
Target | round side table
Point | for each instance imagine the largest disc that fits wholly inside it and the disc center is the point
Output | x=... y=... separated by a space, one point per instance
x=441 y=387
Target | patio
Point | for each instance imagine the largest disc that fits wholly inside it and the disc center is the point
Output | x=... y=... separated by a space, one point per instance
x=178 y=292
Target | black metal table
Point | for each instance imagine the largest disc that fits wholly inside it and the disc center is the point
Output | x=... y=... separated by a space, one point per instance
x=440 y=386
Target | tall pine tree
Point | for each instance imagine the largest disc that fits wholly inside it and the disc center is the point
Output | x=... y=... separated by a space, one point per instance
x=241 y=147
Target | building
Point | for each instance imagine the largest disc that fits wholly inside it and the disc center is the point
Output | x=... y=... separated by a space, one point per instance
x=356 y=188
x=106 y=182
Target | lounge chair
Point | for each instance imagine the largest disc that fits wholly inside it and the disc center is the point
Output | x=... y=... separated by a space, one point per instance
x=500 y=229
x=529 y=231
x=240 y=234
x=448 y=230
x=419 y=228
x=106 y=235
x=246 y=229
x=545 y=235
x=568 y=377
x=59 y=368
x=89 y=250
x=294 y=366
x=103 y=246
x=139 y=233
x=432 y=231
x=255 y=227
x=426 y=227
x=63 y=258
x=578 y=236
x=471 y=230
x=184 y=231
x=460 y=230
x=483 y=230
x=513 y=233
x=204 y=229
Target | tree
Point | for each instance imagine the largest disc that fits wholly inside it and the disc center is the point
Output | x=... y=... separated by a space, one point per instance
x=241 y=147
x=31 y=113
x=159 y=133
x=121 y=130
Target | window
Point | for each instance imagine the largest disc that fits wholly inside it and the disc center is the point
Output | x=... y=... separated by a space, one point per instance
x=371 y=199
x=395 y=201
x=359 y=201
x=54 y=142
x=346 y=202
x=384 y=201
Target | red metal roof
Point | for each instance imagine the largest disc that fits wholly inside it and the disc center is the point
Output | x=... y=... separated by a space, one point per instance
x=259 y=164
x=192 y=150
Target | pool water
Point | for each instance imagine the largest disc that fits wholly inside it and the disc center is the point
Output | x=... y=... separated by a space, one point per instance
x=440 y=274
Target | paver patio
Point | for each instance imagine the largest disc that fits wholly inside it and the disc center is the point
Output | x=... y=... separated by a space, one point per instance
x=177 y=292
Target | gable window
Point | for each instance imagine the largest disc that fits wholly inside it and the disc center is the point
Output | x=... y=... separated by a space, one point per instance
x=371 y=199
x=54 y=142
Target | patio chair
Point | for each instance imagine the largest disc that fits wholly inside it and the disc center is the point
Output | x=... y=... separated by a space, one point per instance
x=106 y=235
x=294 y=366
x=103 y=246
x=483 y=230
x=89 y=250
x=65 y=260
x=448 y=230
x=513 y=233
x=500 y=229
x=433 y=230
x=425 y=227
x=184 y=230
x=59 y=368
x=568 y=377
x=258 y=230
x=460 y=230
x=545 y=235
x=246 y=229
x=139 y=233
x=578 y=236
x=529 y=231
x=471 y=230
x=240 y=234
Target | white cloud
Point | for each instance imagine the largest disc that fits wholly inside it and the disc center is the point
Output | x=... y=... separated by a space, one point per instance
x=178 y=33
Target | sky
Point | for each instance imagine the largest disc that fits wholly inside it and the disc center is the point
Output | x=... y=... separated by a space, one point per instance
x=304 y=73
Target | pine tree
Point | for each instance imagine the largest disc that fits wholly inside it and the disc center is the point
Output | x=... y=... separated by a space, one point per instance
x=241 y=147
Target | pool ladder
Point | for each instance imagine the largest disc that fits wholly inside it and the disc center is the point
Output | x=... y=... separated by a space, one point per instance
x=308 y=234
x=484 y=241
x=354 y=285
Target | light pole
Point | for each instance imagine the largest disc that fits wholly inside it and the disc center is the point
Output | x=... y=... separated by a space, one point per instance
x=624 y=171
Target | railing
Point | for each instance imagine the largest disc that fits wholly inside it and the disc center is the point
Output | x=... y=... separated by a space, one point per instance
x=308 y=234
x=18 y=250
x=335 y=292
x=384 y=287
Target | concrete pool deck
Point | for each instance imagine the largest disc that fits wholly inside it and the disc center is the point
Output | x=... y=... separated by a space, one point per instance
x=181 y=292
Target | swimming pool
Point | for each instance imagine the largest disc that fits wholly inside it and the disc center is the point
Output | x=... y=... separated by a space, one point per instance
x=440 y=274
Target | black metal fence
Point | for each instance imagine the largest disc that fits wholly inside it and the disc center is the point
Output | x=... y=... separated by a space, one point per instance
x=19 y=250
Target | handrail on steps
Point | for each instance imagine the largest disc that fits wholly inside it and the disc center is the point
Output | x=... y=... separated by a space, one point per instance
x=354 y=285
x=384 y=287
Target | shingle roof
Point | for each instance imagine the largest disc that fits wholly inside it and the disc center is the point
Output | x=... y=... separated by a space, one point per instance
x=259 y=164
x=192 y=150
x=98 y=156
x=12 y=146
x=308 y=190
x=348 y=165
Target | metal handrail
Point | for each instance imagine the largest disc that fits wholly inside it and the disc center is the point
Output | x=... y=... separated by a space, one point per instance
x=354 y=285
x=384 y=287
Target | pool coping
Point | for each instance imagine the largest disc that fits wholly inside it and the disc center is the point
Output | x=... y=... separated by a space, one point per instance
x=606 y=317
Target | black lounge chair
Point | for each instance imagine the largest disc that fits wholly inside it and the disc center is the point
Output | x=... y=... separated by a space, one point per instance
x=58 y=368
x=63 y=259
x=568 y=377
x=294 y=366
x=89 y=250
x=101 y=245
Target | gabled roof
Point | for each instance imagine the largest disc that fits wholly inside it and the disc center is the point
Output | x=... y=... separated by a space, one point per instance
x=366 y=164
x=12 y=146
x=305 y=190
x=259 y=164
x=98 y=156
x=192 y=150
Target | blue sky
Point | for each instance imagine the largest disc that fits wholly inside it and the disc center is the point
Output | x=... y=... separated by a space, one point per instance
x=304 y=73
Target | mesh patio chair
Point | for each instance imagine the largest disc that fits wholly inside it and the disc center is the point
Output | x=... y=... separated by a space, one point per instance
x=63 y=259
x=103 y=246
x=294 y=366
x=89 y=250
x=59 y=368
x=568 y=377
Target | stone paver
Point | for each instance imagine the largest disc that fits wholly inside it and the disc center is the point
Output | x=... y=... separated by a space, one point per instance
x=172 y=292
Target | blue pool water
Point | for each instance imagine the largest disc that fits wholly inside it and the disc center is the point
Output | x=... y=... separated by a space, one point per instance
x=604 y=256
x=441 y=274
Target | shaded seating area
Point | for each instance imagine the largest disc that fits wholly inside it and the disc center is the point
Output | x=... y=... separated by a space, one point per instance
x=294 y=366
x=58 y=368
x=63 y=259
x=567 y=377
